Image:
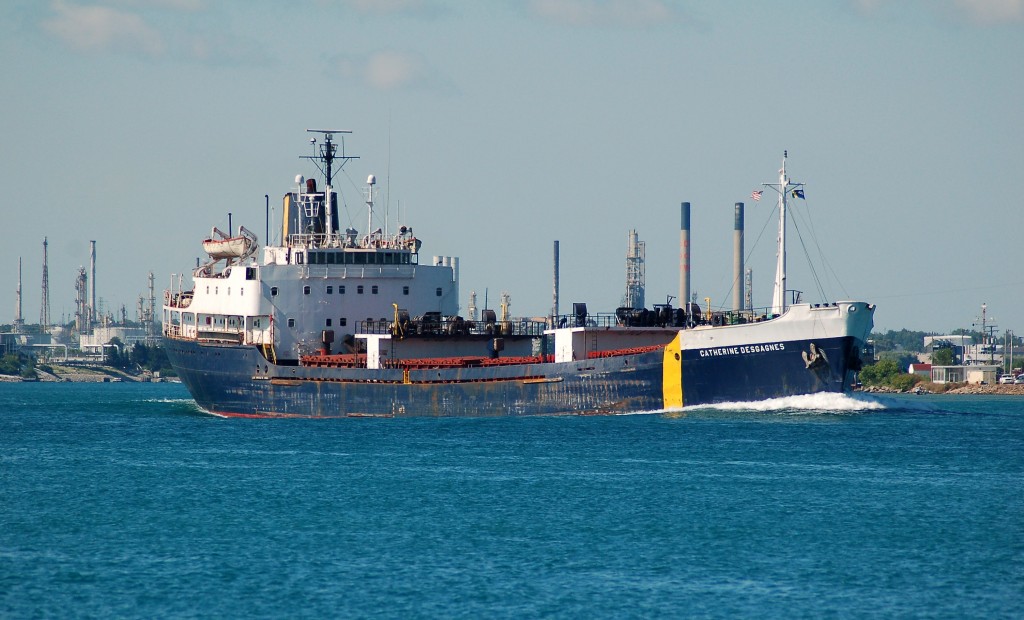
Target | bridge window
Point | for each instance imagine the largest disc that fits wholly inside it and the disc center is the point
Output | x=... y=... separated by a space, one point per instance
x=438 y=291
x=373 y=289
x=343 y=321
x=330 y=289
x=359 y=289
x=273 y=291
x=291 y=322
x=341 y=289
x=405 y=290
x=305 y=290
x=328 y=322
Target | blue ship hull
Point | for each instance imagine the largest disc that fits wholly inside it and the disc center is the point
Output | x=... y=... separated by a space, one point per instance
x=753 y=375
x=236 y=380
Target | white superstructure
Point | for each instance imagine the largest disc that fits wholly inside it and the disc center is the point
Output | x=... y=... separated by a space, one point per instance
x=320 y=285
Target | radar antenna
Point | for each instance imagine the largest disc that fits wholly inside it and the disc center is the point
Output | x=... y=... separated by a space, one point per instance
x=324 y=158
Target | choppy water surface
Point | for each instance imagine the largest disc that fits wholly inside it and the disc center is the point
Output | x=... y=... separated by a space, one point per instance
x=126 y=500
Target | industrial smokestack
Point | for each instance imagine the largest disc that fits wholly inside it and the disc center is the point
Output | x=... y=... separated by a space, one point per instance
x=18 y=321
x=92 y=285
x=554 y=293
x=737 y=260
x=684 y=256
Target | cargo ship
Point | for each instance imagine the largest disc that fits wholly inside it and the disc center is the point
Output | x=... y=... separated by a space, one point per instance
x=342 y=323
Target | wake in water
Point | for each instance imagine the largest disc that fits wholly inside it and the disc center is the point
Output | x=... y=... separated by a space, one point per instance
x=807 y=403
x=828 y=402
x=180 y=405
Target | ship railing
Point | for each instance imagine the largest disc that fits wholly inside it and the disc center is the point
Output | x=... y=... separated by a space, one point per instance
x=307 y=240
x=663 y=316
x=451 y=326
x=376 y=241
x=179 y=299
x=219 y=336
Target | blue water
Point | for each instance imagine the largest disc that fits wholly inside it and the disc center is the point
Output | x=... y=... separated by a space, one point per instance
x=125 y=500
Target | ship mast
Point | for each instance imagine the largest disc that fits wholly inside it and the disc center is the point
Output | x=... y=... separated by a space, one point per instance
x=779 y=292
x=784 y=187
x=325 y=161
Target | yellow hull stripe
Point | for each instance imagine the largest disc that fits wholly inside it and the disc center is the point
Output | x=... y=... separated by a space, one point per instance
x=672 y=378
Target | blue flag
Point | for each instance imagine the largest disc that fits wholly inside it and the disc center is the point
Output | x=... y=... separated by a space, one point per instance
x=798 y=193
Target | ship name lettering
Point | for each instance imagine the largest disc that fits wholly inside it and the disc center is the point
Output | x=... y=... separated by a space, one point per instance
x=743 y=350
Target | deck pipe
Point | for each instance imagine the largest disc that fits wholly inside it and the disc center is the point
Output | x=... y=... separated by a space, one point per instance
x=554 y=293
x=684 y=255
x=737 y=260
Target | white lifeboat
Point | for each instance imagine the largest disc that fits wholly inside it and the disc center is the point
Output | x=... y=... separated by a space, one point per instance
x=220 y=246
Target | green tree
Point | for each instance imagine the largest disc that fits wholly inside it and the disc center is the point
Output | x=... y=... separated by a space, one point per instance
x=942 y=357
x=887 y=373
x=28 y=368
x=902 y=340
x=10 y=365
x=18 y=364
x=880 y=373
x=905 y=381
x=903 y=360
x=117 y=354
x=140 y=355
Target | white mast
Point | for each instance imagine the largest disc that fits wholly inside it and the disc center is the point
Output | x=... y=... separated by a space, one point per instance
x=370 y=182
x=779 y=292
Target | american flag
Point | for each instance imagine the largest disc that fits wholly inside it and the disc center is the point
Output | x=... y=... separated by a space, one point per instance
x=756 y=194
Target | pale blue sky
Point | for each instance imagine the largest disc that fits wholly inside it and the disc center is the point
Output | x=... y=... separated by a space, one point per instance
x=502 y=126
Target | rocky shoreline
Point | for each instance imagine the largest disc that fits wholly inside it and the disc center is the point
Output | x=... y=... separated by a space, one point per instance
x=83 y=374
x=935 y=388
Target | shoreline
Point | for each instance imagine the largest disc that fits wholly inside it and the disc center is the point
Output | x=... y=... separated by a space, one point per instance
x=86 y=374
x=986 y=389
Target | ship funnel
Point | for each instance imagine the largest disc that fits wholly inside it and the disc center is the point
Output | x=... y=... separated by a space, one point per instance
x=737 y=260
